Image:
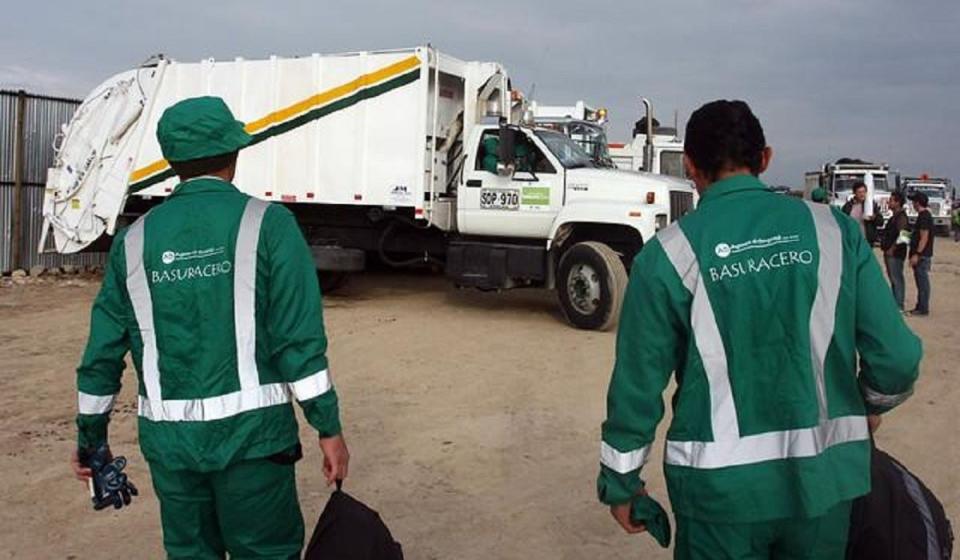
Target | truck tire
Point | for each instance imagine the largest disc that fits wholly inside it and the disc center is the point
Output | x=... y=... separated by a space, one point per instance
x=591 y=282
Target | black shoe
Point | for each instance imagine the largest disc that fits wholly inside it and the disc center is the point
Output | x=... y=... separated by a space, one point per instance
x=918 y=313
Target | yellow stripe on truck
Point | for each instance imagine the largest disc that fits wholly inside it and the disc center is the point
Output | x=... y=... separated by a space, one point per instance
x=303 y=106
x=154 y=167
x=332 y=94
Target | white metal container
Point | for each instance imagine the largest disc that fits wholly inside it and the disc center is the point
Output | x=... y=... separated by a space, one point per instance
x=353 y=128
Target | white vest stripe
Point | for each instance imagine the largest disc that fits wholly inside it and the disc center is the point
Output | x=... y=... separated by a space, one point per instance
x=769 y=446
x=244 y=292
x=706 y=333
x=94 y=404
x=623 y=462
x=312 y=386
x=823 y=314
x=139 y=291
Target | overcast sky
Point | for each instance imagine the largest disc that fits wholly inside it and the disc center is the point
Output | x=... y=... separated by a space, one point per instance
x=876 y=79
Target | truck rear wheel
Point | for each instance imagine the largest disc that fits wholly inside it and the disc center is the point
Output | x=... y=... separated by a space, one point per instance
x=591 y=281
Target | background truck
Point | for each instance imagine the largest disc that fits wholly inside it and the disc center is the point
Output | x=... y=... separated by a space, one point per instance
x=940 y=196
x=838 y=179
x=580 y=122
x=412 y=156
x=653 y=148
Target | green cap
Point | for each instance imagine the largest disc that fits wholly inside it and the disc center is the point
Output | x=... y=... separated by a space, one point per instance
x=818 y=194
x=199 y=127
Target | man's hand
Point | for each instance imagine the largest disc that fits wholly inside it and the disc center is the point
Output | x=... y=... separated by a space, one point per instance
x=914 y=260
x=873 y=422
x=81 y=472
x=336 y=458
x=621 y=513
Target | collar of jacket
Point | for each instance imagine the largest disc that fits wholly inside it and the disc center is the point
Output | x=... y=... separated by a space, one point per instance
x=204 y=184
x=730 y=185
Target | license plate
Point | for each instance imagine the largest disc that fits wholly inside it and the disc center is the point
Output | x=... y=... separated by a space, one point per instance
x=500 y=199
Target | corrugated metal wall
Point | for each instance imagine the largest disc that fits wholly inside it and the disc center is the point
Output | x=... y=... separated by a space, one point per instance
x=43 y=117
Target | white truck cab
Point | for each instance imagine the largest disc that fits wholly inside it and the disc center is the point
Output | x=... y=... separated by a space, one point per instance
x=653 y=148
x=939 y=199
x=838 y=179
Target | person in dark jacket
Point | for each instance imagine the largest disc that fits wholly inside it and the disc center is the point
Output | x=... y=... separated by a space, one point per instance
x=894 y=245
x=921 y=253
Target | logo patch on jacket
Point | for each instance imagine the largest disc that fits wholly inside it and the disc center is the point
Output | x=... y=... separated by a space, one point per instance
x=779 y=257
x=188 y=270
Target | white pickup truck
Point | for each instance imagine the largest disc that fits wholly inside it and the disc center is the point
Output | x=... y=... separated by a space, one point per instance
x=407 y=155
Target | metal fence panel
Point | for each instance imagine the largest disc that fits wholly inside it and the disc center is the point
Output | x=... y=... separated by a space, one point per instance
x=42 y=121
x=8 y=117
x=6 y=233
x=45 y=116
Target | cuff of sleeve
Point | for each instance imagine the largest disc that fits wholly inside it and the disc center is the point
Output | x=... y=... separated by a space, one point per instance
x=614 y=488
x=323 y=413
x=92 y=430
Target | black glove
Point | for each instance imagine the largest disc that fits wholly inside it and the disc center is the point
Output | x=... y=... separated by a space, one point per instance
x=110 y=485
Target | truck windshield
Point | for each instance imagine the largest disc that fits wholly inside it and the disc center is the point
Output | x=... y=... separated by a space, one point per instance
x=570 y=154
x=930 y=191
x=671 y=163
x=845 y=182
x=593 y=140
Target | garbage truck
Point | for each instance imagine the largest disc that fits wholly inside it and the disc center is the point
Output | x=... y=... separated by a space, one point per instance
x=409 y=156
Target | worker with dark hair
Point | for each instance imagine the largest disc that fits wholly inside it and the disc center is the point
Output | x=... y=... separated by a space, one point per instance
x=921 y=252
x=762 y=305
x=893 y=243
x=215 y=295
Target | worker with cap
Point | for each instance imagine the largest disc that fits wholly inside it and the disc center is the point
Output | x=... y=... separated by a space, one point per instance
x=764 y=306
x=819 y=194
x=215 y=295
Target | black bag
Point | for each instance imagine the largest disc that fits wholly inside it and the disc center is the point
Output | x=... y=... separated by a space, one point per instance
x=899 y=519
x=349 y=530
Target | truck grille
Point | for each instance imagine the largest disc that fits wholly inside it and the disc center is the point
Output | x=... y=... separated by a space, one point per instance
x=680 y=203
x=935 y=208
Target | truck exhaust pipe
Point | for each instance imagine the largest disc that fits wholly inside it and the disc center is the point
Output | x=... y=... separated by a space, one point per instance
x=648 y=145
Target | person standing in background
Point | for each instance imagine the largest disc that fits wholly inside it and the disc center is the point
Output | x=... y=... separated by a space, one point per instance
x=856 y=206
x=921 y=253
x=893 y=246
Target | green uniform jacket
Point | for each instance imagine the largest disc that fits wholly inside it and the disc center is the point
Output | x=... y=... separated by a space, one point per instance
x=761 y=304
x=215 y=295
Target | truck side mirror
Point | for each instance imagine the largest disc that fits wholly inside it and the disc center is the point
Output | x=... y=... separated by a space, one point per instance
x=505 y=153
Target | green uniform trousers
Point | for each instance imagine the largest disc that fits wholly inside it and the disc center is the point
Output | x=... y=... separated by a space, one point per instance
x=249 y=510
x=817 y=538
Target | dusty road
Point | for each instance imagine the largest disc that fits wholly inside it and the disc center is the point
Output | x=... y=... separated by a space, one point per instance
x=473 y=421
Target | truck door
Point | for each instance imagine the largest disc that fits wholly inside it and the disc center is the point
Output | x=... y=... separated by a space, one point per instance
x=522 y=205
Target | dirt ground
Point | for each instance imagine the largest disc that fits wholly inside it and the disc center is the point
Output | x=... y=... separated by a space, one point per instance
x=473 y=422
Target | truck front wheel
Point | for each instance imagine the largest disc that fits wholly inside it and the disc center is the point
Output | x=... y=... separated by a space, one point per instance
x=591 y=281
